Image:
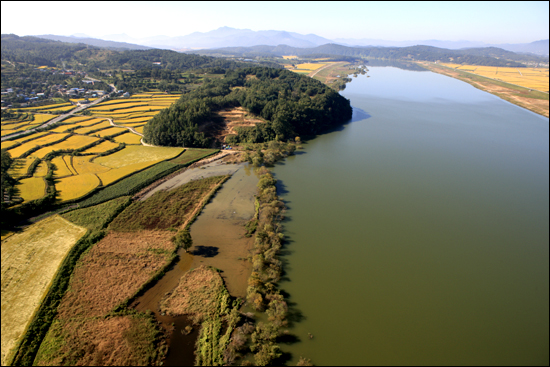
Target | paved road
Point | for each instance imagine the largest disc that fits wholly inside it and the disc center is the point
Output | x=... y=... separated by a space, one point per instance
x=63 y=116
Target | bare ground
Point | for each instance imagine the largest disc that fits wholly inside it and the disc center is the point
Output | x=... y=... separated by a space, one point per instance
x=114 y=270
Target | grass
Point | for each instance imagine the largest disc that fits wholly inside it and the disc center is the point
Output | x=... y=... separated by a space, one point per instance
x=131 y=184
x=165 y=209
x=192 y=155
x=116 y=174
x=30 y=260
x=97 y=216
x=202 y=295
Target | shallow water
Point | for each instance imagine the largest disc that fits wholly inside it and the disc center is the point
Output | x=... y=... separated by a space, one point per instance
x=419 y=231
x=218 y=241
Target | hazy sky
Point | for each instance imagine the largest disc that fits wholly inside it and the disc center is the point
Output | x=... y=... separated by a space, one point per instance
x=489 y=22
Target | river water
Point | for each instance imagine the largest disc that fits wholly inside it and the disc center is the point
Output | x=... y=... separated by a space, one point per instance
x=418 y=233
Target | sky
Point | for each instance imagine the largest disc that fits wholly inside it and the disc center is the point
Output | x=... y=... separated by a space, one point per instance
x=488 y=22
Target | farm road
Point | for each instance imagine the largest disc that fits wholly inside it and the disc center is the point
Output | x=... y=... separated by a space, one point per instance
x=216 y=168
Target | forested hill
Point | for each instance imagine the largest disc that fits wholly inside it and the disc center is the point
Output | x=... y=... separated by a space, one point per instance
x=39 y=51
x=290 y=103
x=490 y=56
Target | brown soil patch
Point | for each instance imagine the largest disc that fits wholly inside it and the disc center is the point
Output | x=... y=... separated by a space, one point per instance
x=515 y=96
x=114 y=270
x=233 y=118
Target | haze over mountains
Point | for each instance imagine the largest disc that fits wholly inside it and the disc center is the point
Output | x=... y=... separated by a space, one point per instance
x=232 y=37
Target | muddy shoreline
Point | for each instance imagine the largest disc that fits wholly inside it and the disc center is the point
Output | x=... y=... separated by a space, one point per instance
x=218 y=241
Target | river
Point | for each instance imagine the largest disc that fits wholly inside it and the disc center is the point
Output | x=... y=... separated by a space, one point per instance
x=418 y=232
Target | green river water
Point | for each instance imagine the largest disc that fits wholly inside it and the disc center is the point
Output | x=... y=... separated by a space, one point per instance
x=418 y=233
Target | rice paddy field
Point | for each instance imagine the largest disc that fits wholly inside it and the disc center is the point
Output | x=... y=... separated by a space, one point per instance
x=306 y=68
x=19 y=150
x=76 y=176
x=31 y=188
x=23 y=121
x=71 y=143
x=131 y=139
x=30 y=260
x=74 y=187
x=20 y=166
x=532 y=78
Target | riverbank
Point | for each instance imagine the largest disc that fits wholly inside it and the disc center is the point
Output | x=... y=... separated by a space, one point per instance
x=532 y=100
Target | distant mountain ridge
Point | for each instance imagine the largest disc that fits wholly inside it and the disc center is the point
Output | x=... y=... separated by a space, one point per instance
x=95 y=42
x=233 y=37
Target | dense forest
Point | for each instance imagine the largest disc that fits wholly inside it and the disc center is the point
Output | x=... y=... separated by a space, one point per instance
x=291 y=104
x=490 y=56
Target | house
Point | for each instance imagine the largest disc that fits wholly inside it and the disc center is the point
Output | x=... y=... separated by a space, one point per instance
x=126 y=95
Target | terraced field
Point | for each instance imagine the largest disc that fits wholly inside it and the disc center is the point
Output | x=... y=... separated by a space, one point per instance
x=76 y=176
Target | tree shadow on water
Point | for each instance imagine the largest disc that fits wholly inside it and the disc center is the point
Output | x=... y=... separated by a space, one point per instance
x=205 y=251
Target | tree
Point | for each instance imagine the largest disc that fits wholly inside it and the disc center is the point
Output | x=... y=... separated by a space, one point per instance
x=183 y=239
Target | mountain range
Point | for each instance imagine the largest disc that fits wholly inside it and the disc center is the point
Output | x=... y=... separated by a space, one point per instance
x=233 y=37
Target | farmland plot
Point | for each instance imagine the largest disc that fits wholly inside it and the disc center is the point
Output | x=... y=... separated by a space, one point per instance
x=29 y=262
x=74 y=187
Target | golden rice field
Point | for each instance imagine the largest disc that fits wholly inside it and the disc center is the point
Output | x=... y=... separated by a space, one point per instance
x=132 y=122
x=129 y=138
x=73 y=142
x=110 y=131
x=102 y=147
x=116 y=174
x=86 y=123
x=289 y=57
x=46 y=139
x=68 y=159
x=79 y=119
x=116 y=106
x=61 y=168
x=310 y=66
x=41 y=170
x=85 y=130
x=76 y=100
x=20 y=166
x=30 y=260
x=532 y=78
x=8 y=144
x=138 y=154
x=82 y=165
x=74 y=187
x=139 y=129
x=31 y=188
x=29 y=137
